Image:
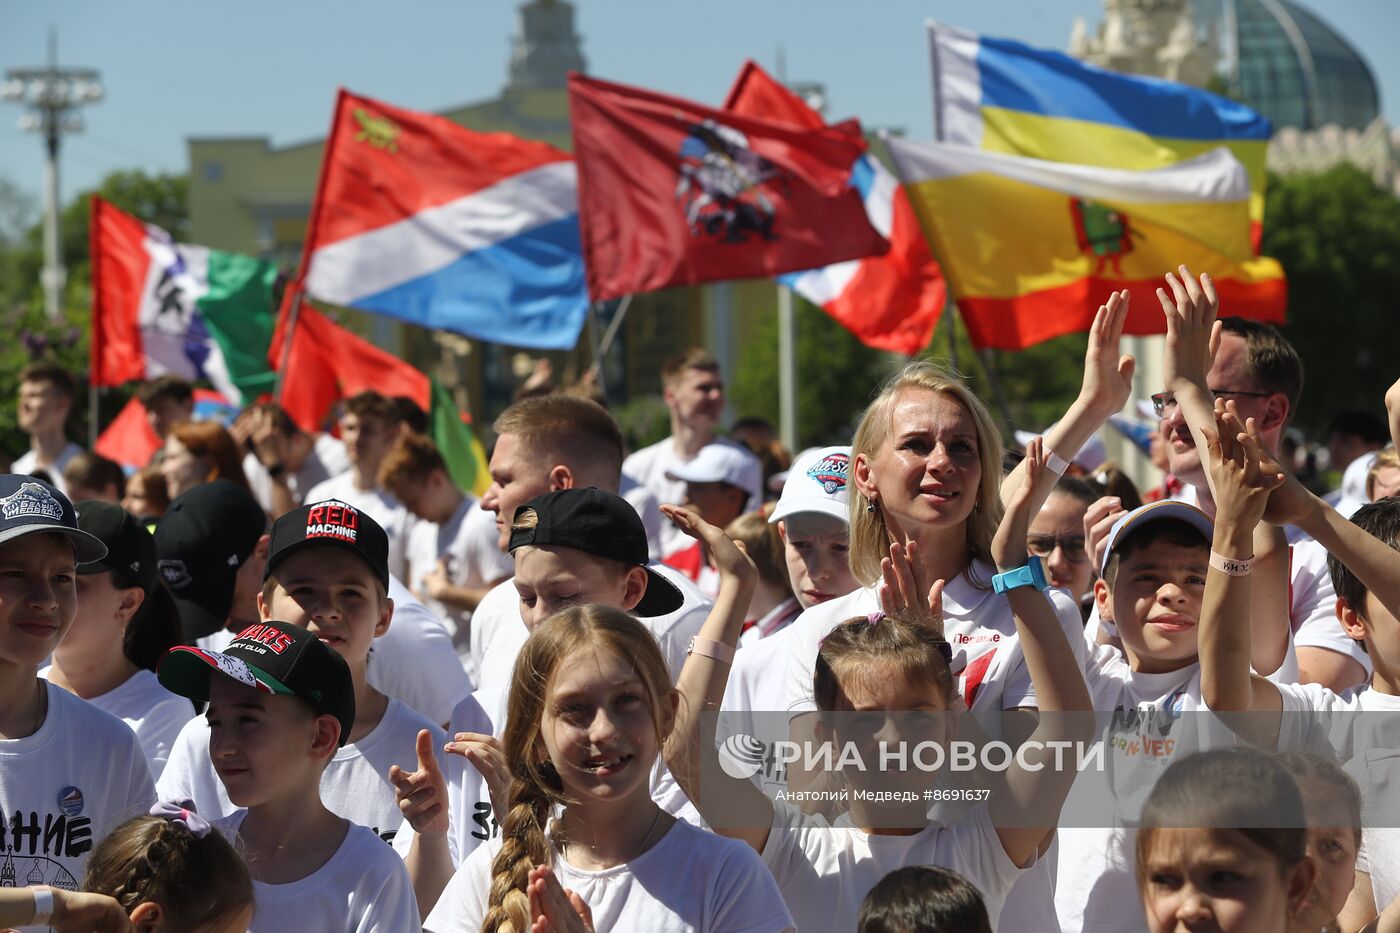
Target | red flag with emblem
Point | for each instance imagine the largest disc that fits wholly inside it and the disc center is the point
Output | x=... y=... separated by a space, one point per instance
x=673 y=193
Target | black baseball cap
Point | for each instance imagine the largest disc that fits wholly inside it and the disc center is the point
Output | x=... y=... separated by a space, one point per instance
x=131 y=551
x=30 y=506
x=601 y=524
x=274 y=657
x=201 y=541
x=330 y=523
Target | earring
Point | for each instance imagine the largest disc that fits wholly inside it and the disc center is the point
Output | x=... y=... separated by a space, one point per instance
x=869 y=506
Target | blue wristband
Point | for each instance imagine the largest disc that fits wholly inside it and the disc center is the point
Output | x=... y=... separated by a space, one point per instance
x=1032 y=574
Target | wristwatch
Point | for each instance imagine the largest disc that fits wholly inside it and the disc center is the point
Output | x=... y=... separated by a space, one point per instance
x=275 y=470
x=1032 y=574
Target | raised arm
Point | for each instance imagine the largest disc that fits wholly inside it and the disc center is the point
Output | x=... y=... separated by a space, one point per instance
x=1027 y=814
x=1242 y=492
x=1108 y=381
x=1193 y=336
x=701 y=686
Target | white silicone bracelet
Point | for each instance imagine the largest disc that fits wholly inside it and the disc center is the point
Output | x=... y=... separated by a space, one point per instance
x=43 y=905
x=1057 y=464
x=1230 y=566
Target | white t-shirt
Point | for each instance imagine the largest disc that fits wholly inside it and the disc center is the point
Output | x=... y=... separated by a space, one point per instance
x=1158 y=719
x=354 y=785
x=467 y=541
x=1314 y=606
x=154 y=713
x=471 y=818
x=363 y=888
x=1362 y=728
x=987 y=659
x=499 y=629
x=379 y=504
x=326 y=458
x=28 y=462
x=649 y=466
x=825 y=870
x=648 y=509
x=691 y=881
x=415 y=660
x=78 y=777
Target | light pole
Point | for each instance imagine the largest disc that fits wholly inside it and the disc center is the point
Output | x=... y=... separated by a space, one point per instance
x=53 y=95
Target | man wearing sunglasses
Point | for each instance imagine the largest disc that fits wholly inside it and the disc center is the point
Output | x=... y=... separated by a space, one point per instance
x=1260 y=371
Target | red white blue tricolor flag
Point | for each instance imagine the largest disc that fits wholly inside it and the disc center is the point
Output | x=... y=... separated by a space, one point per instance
x=427 y=221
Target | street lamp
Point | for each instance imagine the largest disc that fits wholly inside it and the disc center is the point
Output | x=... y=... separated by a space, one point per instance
x=53 y=95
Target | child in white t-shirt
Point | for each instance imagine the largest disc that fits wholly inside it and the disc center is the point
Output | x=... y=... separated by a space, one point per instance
x=327 y=570
x=122 y=604
x=281 y=701
x=170 y=871
x=452 y=554
x=571 y=546
x=869 y=666
x=590 y=708
x=1358 y=726
x=69 y=772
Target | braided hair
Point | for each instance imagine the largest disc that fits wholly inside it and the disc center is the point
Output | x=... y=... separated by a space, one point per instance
x=535 y=787
x=149 y=859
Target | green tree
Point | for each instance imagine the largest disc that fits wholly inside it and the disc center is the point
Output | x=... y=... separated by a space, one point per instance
x=1337 y=235
x=30 y=335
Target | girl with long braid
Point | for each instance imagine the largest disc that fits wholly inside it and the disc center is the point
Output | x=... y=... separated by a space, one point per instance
x=591 y=707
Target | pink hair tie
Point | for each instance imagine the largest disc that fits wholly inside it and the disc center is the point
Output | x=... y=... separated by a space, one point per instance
x=875 y=617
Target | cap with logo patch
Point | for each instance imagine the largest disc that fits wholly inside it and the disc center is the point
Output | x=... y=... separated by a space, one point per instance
x=819 y=481
x=30 y=506
x=331 y=523
x=131 y=551
x=275 y=658
x=203 y=539
x=601 y=524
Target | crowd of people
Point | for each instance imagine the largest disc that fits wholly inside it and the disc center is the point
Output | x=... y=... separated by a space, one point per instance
x=280 y=680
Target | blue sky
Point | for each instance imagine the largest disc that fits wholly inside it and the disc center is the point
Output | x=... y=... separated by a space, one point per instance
x=174 y=70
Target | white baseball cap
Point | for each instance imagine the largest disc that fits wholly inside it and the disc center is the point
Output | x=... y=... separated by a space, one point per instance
x=819 y=481
x=722 y=462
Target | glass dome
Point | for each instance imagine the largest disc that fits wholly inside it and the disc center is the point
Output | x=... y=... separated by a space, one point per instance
x=1288 y=64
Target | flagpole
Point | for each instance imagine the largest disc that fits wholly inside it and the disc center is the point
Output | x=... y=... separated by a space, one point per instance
x=614 y=326
x=93 y=414
x=787 y=370
x=288 y=336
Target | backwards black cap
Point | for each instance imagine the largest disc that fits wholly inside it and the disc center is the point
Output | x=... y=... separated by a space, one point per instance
x=205 y=536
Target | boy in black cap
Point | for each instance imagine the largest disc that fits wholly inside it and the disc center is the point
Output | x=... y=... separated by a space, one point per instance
x=69 y=772
x=281 y=704
x=327 y=572
x=210 y=551
x=125 y=623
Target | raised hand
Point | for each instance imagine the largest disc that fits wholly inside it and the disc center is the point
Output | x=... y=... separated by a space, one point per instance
x=422 y=794
x=1009 y=543
x=554 y=909
x=1242 y=484
x=1108 y=374
x=729 y=559
x=1193 y=332
x=1099 y=520
x=488 y=757
x=1289 y=503
x=906 y=592
x=1392 y=411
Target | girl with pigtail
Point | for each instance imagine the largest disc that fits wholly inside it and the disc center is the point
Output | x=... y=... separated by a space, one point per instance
x=170 y=873
x=583 y=845
x=866 y=668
